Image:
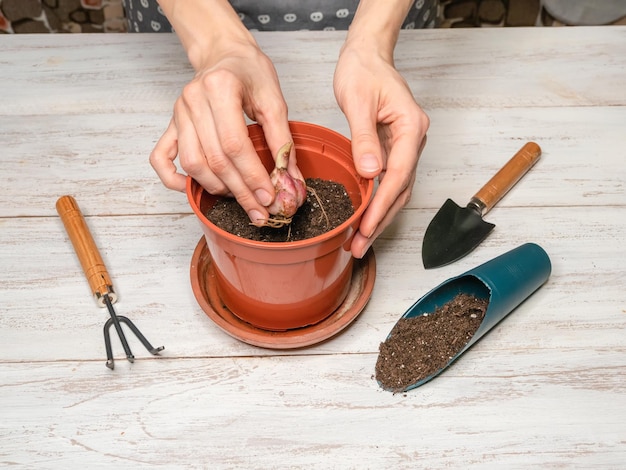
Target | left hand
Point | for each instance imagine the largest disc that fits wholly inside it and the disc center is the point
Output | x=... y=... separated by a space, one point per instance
x=388 y=132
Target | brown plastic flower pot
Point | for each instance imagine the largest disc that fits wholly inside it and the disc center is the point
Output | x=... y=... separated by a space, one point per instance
x=285 y=285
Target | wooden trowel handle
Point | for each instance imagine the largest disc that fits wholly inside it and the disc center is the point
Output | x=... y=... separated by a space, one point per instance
x=86 y=249
x=505 y=179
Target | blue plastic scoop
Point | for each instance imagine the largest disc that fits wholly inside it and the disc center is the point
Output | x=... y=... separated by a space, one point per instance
x=505 y=282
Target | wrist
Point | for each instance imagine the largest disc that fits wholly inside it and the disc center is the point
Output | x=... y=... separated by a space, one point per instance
x=377 y=24
x=208 y=48
x=207 y=29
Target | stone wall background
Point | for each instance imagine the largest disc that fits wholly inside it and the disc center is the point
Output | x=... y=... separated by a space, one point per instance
x=62 y=16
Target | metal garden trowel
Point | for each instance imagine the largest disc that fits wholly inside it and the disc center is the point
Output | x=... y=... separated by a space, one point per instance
x=455 y=231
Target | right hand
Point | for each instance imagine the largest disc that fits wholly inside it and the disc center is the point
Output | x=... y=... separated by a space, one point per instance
x=208 y=130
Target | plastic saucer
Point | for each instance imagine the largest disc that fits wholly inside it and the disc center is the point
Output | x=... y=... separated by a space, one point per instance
x=205 y=290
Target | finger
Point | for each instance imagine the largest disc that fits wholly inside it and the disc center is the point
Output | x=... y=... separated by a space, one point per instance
x=232 y=133
x=361 y=243
x=222 y=166
x=191 y=154
x=274 y=121
x=162 y=159
x=268 y=107
x=276 y=136
x=394 y=191
x=366 y=149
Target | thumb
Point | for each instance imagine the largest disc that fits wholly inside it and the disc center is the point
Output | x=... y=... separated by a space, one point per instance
x=365 y=144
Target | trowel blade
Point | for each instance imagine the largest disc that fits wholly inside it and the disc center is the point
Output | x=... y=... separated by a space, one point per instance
x=453 y=233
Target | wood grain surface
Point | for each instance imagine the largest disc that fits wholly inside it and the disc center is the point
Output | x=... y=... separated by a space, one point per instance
x=546 y=388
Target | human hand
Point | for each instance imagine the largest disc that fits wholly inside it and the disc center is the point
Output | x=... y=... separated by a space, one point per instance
x=388 y=132
x=208 y=131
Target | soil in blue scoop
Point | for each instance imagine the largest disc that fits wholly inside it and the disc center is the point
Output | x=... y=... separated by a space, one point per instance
x=418 y=347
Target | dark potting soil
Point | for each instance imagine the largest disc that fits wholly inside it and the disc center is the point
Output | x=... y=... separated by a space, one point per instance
x=420 y=346
x=308 y=222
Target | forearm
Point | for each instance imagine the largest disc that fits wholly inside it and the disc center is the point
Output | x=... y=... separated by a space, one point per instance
x=377 y=24
x=205 y=28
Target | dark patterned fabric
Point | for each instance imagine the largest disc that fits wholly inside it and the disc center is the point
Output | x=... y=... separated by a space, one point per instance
x=281 y=15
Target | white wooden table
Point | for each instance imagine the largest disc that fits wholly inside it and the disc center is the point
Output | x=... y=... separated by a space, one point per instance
x=546 y=388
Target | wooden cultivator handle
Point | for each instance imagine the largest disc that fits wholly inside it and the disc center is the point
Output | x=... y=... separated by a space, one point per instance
x=86 y=249
x=505 y=179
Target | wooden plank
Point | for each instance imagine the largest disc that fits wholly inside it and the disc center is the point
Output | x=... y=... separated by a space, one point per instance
x=581 y=146
x=103 y=74
x=46 y=299
x=545 y=388
x=551 y=68
x=515 y=69
x=96 y=94
x=546 y=408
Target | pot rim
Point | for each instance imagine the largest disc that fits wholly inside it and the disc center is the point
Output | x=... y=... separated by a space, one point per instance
x=192 y=188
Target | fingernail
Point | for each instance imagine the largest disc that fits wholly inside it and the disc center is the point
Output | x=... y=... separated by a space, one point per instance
x=364 y=250
x=256 y=217
x=369 y=163
x=263 y=197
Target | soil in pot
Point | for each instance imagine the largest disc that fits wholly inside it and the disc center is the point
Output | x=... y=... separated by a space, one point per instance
x=327 y=206
x=417 y=347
